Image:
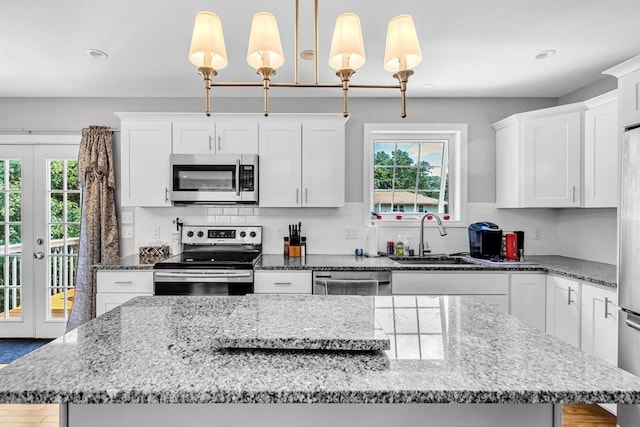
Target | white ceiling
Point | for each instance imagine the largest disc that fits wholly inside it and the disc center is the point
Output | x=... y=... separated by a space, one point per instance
x=475 y=48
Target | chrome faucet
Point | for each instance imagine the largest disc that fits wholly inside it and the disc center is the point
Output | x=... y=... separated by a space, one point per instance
x=441 y=228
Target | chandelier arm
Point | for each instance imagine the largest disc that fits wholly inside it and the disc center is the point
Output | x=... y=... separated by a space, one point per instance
x=315 y=40
x=403 y=77
x=207 y=74
x=296 y=39
x=304 y=85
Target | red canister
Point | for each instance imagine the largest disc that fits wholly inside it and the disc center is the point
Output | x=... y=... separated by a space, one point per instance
x=511 y=246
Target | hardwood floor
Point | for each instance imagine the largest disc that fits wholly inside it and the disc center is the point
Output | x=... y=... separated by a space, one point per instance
x=586 y=416
x=13 y=415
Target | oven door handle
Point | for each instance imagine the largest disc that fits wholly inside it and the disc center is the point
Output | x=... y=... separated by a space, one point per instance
x=204 y=274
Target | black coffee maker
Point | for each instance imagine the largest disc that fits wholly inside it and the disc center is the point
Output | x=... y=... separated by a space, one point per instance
x=485 y=240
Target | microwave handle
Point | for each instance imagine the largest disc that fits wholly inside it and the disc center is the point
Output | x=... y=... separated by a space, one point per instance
x=238 y=177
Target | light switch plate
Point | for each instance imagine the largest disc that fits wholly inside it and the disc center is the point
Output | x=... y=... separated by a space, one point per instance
x=350 y=233
x=127 y=217
x=127 y=232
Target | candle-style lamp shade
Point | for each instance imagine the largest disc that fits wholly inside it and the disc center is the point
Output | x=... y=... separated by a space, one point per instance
x=347 y=45
x=402 y=51
x=207 y=42
x=265 y=49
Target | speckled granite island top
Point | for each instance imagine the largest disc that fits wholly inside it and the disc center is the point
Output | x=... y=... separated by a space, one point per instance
x=443 y=350
x=298 y=322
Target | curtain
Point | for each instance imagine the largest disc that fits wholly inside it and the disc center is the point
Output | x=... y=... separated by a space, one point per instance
x=98 y=225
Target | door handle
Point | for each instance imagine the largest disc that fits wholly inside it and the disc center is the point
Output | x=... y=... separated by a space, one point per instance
x=219 y=142
x=606 y=307
x=238 y=177
x=166 y=194
x=210 y=143
x=306 y=195
x=297 y=195
x=38 y=255
x=569 y=296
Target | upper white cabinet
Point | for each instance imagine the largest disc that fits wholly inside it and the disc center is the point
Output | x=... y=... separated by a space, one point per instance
x=302 y=163
x=215 y=137
x=538 y=158
x=628 y=74
x=145 y=143
x=601 y=151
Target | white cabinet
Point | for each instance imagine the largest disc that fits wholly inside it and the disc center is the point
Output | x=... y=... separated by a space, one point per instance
x=492 y=288
x=538 y=158
x=563 y=309
x=628 y=74
x=302 y=163
x=117 y=287
x=144 y=175
x=282 y=282
x=219 y=137
x=601 y=152
x=528 y=299
x=600 y=322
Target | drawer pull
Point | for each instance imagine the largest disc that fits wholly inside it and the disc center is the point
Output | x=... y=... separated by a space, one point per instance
x=127 y=282
x=282 y=283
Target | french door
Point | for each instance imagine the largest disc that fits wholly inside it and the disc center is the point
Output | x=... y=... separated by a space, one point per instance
x=39 y=234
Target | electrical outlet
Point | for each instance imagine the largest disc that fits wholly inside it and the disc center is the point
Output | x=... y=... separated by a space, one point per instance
x=350 y=233
x=537 y=235
x=280 y=233
x=156 y=233
x=127 y=217
x=127 y=232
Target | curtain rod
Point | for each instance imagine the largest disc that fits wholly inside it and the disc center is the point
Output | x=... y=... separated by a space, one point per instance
x=45 y=131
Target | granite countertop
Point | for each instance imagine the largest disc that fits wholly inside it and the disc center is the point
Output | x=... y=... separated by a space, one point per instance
x=596 y=272
x=443 y=350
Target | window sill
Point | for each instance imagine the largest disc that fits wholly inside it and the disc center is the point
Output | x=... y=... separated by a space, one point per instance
x=415 y=222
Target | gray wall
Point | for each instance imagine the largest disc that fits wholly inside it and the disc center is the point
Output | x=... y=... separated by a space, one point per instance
x=605 y=84
x=72 y=114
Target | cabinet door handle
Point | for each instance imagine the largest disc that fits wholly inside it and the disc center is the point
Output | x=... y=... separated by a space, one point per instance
x=569 y=296
x=573 y=193
x=306 y=195
x=219 y=142
x=297 y=195
x=210 y=143
x=166 y=194
x=606 y=307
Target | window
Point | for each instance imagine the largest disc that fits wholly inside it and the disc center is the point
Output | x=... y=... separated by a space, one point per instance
x=414 y=169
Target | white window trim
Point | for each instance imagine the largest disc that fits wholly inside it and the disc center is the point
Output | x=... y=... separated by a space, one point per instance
x=458 y=138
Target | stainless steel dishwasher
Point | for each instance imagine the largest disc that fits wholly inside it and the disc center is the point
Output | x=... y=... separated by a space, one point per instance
x=353 y=282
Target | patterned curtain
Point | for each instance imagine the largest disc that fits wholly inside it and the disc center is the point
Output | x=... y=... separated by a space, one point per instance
x=98 y=226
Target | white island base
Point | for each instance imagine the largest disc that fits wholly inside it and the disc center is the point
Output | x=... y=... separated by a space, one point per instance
x=311 y=415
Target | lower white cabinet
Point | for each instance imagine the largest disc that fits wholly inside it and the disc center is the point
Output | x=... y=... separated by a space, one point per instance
x=282 y=282
x=528 y=299
x=600 y=325
x=563 y=309
x=117 y=287
x=600 y=322
x=492 y=288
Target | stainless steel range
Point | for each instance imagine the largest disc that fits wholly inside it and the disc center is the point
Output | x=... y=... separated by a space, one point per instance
x=215 y=260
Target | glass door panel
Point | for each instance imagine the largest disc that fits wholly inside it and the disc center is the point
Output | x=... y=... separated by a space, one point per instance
x=57 y=236
x=16 y=272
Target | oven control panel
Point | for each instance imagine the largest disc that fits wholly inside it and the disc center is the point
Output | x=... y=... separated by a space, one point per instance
x=214 y=235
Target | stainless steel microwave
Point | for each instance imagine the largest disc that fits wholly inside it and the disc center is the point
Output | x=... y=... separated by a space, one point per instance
x=214 y=179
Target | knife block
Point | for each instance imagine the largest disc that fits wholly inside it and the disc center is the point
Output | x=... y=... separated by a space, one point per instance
x=294 y=251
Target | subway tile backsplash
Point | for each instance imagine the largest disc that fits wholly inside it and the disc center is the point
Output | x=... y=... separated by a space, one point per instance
x=326 y=228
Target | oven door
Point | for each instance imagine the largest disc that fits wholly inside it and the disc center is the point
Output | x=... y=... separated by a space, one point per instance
x=202 y=282
x=214 y=179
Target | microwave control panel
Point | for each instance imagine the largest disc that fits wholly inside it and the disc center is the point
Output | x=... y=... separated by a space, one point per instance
x=247 y=178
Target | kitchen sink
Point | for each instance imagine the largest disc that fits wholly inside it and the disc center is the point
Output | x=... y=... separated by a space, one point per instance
x=433 y=260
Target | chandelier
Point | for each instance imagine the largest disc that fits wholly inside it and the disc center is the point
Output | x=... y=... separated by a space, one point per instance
x=208 y=53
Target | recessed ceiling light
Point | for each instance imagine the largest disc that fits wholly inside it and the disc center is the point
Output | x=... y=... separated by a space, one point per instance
x=97 y=54
x=427 y=86
x=307 y=54
x=545 y=54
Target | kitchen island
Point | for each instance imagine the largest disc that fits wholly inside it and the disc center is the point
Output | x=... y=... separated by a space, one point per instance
x=156 y=361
